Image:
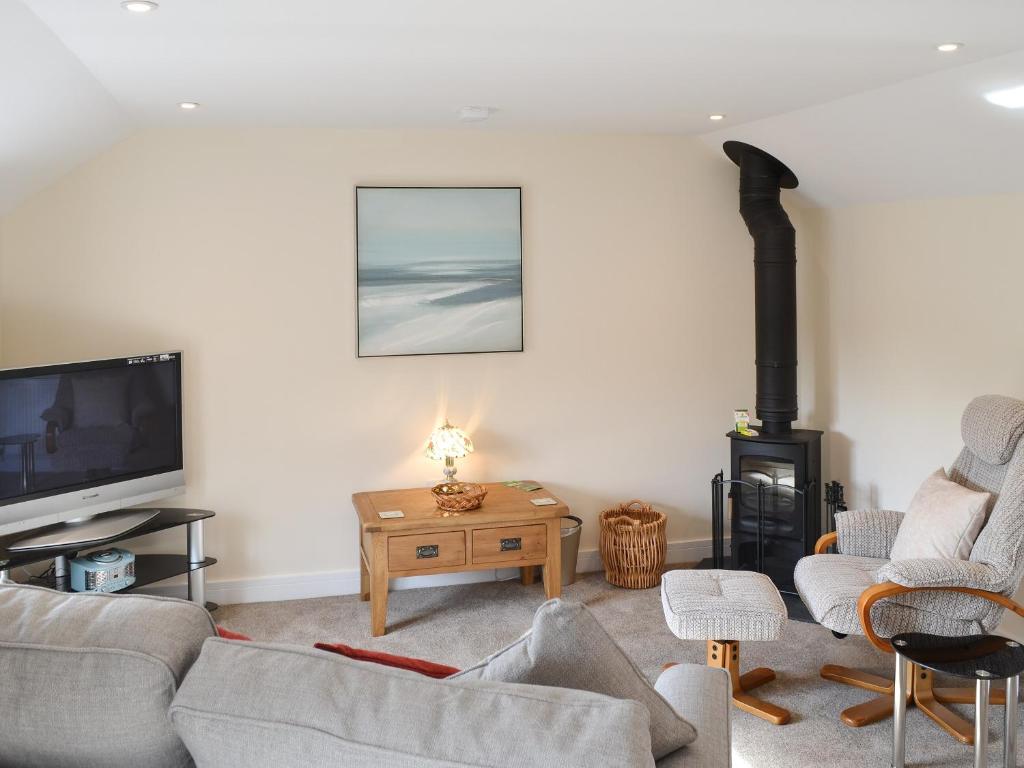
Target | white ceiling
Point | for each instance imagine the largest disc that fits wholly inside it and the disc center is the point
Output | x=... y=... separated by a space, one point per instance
x=53 y=113
x=933 y=136
x=781 y=70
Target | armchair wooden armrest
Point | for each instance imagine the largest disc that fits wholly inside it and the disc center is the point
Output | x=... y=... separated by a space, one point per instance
x=821 y=545
x=873 y=594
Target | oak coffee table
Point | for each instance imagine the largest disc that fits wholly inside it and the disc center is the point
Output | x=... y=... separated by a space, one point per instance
x=506 y=531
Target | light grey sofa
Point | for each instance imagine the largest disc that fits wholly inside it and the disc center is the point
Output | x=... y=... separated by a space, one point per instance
x=111 y=681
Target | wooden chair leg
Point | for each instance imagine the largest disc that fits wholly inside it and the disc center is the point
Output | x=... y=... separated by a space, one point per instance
x=924 y=697
x=725 y=654
x=966 y=696
x=755 y=677
x=858 y=679
x=922 y=694
x=868 y=712
x=871 y=711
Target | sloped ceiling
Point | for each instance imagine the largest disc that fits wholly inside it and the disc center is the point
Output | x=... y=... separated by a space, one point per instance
x=53 y=112
x=852 y=93
x=932 y=136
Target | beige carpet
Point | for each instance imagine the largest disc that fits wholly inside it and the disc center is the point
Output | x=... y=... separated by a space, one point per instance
x=459 y=625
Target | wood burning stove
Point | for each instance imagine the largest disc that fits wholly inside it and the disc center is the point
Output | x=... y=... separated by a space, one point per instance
x=775 y=488
x=776 y=503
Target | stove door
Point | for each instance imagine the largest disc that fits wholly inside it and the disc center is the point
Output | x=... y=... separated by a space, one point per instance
x=783 y=518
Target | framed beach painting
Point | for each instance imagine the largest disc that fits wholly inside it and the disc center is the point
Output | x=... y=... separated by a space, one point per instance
x=439 y=270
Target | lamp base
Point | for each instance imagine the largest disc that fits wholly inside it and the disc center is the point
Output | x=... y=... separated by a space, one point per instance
x=449 y=470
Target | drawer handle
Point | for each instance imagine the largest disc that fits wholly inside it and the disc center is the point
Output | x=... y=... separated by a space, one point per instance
x=430 y=550
x=509 y=545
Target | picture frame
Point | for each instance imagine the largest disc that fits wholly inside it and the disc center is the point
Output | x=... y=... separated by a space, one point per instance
x=438 y=270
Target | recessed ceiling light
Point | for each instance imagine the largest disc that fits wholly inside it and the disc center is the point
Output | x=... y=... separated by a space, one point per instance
x=475 y=114
x=139 y=6
x=1011 y=98
x=189 y=105
x=716 y=117
x=949 y=47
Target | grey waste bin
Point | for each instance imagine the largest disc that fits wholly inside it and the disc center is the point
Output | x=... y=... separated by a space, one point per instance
x=571 y=526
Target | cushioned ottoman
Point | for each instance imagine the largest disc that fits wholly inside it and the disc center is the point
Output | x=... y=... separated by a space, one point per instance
x=723 y=608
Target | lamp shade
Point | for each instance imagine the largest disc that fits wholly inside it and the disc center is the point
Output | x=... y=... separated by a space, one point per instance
x=448 y=442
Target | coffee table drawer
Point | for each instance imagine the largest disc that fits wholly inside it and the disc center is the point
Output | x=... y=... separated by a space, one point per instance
x=426 y=550
x=510 y=545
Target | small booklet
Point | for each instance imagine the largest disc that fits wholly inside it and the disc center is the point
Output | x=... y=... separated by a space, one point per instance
x=523 y=485
x=543 y=502
x=391 y=514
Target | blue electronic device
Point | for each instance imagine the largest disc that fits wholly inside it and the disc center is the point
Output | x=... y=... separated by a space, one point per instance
x=106 y=570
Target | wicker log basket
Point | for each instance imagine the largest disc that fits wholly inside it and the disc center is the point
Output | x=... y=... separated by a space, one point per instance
x=633 y=545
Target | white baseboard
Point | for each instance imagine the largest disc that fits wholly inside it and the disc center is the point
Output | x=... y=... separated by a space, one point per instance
x=684 y=551
x=329 y=583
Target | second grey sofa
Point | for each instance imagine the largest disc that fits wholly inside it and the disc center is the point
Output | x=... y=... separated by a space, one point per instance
x=259 y=705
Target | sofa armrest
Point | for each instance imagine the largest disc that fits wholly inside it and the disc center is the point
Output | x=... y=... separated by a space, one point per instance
x=941 y=572
x=702 y=696
x=867 y=532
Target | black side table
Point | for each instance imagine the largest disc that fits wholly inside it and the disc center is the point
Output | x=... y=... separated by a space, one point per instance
x=982 y=658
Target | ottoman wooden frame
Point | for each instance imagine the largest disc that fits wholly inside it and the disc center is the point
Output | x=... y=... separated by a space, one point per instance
x=714 y=593
x=725 y=654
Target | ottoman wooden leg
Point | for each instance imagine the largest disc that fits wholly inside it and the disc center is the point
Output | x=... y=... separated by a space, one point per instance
x=725 y=654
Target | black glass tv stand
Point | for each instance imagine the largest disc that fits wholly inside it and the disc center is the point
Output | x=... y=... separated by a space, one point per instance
x=148 y=568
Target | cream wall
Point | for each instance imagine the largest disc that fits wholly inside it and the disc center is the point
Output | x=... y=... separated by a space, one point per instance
x=923 y=313
x=237 y=247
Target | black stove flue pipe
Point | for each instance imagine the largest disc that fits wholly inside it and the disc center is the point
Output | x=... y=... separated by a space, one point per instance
x=761 y=179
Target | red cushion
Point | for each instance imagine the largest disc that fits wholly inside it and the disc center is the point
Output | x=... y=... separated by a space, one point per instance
x=428 y=668
x=227 y=634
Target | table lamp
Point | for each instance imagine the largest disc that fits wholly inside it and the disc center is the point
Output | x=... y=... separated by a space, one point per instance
x=448 y=443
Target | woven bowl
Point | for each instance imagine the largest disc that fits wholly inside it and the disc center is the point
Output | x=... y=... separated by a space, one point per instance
x=458 y=497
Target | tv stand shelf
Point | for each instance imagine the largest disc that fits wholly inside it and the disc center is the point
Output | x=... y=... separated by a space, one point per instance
x=149 y=569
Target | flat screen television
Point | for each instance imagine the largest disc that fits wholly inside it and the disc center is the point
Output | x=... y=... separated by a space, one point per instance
x=81 y=439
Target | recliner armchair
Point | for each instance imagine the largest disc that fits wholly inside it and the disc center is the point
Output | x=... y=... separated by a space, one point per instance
x=859 y=590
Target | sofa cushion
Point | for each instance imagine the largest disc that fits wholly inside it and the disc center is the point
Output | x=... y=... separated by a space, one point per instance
x=422 y=666
x=831 y=585
x=703 y=695
x=88 y=678
x=266 y=706
x=568 y=648
x=228 y=634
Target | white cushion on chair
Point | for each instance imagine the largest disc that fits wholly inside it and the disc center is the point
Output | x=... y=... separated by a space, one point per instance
x=942 y=521
x=722 y=605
